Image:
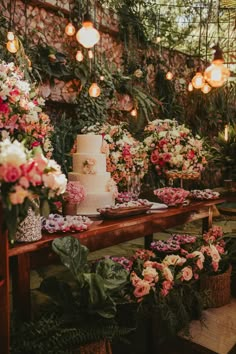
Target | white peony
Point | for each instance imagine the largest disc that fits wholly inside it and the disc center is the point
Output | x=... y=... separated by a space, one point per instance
x=12 y=153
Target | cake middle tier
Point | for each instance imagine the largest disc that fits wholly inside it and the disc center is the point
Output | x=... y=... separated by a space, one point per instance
x=92 y=183
x=89 y=164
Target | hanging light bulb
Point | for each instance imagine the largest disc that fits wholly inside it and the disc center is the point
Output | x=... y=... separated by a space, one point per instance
x=226 y=132
x=102 y=78
x=216 y=74
x=10 y=36
x=206 y=88
x=70 y=29
x=198 y=80
x=169 y=75
x=87 y=36
x=79 y=56
x=12 y=46
x=190 y=87
x=90 y=54
x=94 y=90
x=134 y=112
x=158 y=39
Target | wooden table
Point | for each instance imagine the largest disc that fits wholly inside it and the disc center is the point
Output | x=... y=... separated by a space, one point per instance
x=101 y=234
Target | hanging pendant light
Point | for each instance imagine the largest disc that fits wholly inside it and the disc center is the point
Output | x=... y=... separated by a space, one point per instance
x=216 y=74
x=87 y=36
x=169 y=75
x=94 y=90
x=190 y=87
x=134 y=112
x=79 y=56
x=12 y=46
x=70 y=29
x=198 y=80
x=10 y=36
x=206 y=88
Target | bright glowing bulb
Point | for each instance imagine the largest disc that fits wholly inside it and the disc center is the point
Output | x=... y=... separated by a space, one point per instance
x=10 y=36
x=70 y=29
x=226 y=132
x=12 y=46
x=94 y=90
x=134 y=112
x=90 y=54
x=190 y=87
x=216 y=74
x=87 y=36
x=102 y=78
x=79 y=56
x=169 y=75
x=158 y=39
x=206 y=88
x=198 y=81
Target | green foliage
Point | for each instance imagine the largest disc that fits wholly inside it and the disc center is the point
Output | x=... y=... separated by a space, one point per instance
x=55 y=335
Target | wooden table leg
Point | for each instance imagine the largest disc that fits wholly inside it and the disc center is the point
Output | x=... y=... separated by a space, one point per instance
x=4 y=296
x=147 y=241
x=21 y=286
x=207 y=222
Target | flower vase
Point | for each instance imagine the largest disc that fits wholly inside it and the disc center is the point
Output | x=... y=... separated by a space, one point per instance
x=217 y=288
x=70 y=209
x=30 y=229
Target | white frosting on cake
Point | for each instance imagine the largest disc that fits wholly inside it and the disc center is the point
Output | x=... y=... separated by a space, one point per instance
x=89 y=168
x=80 y=160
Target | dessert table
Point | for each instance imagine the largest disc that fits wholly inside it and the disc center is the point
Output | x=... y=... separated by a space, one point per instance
x=101 y=234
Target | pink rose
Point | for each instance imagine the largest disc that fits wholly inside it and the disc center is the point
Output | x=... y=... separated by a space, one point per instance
x=155 y=157
x=187 y=273
x=167 y=274
x=142 y=288
x=134 y=278
x=11 y=173
x=166 y=287
x=150 y=275
x=4 y=108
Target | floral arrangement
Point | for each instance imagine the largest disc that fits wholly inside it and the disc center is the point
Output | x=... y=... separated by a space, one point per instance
x=68 y=223
x=204 y=194
x=124 y=154
x=172 y=146
x=89 y=166
x=21 y=115
x=112 y=187
x=75 y=192
x=26 y=175
x=171 y=196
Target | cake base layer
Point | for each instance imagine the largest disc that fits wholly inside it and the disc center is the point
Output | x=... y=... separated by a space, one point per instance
x=97 y=183
x=94 y=201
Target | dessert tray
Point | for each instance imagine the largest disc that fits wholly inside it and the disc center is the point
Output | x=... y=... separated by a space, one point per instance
x=130 y=208
x=68 y=223
x=205 y=194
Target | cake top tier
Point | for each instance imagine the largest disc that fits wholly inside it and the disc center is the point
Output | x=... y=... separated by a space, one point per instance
x=89 y=143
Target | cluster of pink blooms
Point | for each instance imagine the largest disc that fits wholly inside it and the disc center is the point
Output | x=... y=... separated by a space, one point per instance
x=125 y=262
x=158 y=275
x=173 y=147
x=28 y=174
x=75 y=192
x=58 y=223
x=124 y=197
x=204 y=194
x=124 y=153
x=171 y=196
x=21 y=115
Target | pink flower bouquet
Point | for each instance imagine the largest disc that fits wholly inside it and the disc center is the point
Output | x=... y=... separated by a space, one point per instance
x=171 y=196
x=24 y=176
x=75 y=192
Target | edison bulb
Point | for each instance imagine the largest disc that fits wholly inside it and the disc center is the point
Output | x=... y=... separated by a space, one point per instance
x=198 y=81
x=10 y=36
x=158 y=39
x=169 y=75
x=216 y=74
x=206 y=88
x=87 y=36
x=134 y=112
x=94 y=90
x=79 y=56
x=70 y=29
x=190 y=87
x=12 y=46
x=102 y=78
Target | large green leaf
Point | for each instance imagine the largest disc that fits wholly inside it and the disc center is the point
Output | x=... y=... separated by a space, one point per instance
x=73 y=255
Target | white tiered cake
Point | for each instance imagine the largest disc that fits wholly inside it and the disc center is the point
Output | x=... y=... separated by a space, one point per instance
x=89 y=168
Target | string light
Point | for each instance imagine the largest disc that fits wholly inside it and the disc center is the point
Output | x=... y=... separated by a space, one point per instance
x=169 y=75
x=94 y=90
x=102 y=78
x=12 y=46
x=10 y=36
x=198 y=80
x=158 y=39
x=190 y=87
x=79 y=56
x=87 y=36
x=206 y=88
x=134 y=112
x=70 y=29
x=216 y=74
x=226 y=133
x=90 y=54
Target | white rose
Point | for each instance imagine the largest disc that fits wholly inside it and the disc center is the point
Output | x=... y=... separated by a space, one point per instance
x=12 y=153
